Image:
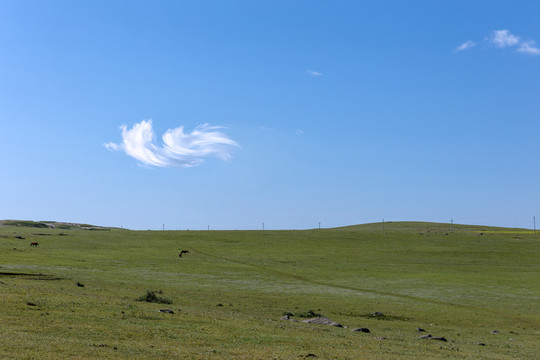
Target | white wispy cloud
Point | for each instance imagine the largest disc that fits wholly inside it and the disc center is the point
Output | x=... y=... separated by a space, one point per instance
x=178 y=149
x=314 y=73
x=112 y=146
x=466 y=45
x=529 y=47
x=503 y=38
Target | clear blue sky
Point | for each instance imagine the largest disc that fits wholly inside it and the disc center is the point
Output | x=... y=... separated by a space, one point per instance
x=339 y=112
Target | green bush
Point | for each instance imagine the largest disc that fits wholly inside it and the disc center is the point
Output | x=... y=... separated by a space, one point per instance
x=305 y=314
x=153 y=298
x=309 y=314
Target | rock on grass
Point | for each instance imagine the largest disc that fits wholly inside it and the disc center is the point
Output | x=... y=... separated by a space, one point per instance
x=322 y=321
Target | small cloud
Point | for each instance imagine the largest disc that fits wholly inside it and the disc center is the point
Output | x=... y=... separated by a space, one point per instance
x=266 y=128
x=529 y=47
x=503 y=38
x=299 y=132
x=466 y=45
x=111 y=146
x=179 y=149
x=314 y=73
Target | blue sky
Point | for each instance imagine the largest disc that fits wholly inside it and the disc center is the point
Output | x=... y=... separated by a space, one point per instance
x=229 y=114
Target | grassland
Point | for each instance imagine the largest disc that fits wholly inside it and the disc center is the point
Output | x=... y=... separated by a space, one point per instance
x=75 y=295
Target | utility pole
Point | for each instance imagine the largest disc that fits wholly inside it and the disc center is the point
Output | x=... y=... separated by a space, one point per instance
x=208 y=227
x=451 y=225
x=383 y=225
x=319 y=225
x=263 y=225
x=534 y=224
x=163 y=227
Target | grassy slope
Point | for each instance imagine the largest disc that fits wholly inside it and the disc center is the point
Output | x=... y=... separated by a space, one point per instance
x=461 y=286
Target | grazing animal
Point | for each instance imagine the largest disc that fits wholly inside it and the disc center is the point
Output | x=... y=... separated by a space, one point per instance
x=34 y=244
x=183 y=252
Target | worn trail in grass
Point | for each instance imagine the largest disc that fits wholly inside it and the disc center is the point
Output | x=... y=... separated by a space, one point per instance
x=363 y=291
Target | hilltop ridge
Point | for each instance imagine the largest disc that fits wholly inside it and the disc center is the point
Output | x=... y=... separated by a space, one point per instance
x=401 y=226
x=49 y=224
x=424 y=226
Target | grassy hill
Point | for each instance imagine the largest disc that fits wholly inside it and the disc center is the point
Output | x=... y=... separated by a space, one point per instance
x=419 y=226
x=230 y=291
x=48 y=224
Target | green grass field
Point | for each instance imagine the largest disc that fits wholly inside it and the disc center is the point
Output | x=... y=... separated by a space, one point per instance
x=229 y=293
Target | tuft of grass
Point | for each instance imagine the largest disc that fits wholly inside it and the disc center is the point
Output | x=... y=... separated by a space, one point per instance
x=381 y=316
x=305 y=314
x=152 y=297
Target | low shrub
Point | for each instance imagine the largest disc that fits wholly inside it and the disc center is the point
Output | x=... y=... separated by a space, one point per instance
x=309 y=314
x=305 y=314
x=151 y=296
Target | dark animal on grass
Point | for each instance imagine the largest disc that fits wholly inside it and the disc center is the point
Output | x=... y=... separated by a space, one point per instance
x=34 y=244
x=183 y=252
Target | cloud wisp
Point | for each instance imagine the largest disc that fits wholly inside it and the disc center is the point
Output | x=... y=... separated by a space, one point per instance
x=179 y=149
x=466 y=45
x=529 y=47
x=504 y=39
x=314 y=73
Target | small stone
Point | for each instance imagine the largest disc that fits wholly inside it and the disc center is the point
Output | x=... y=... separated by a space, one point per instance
x=168 y=311
x=495 y=332
x=440 y=338
x=322 y=321
x=364 y=330
x=419 y=330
